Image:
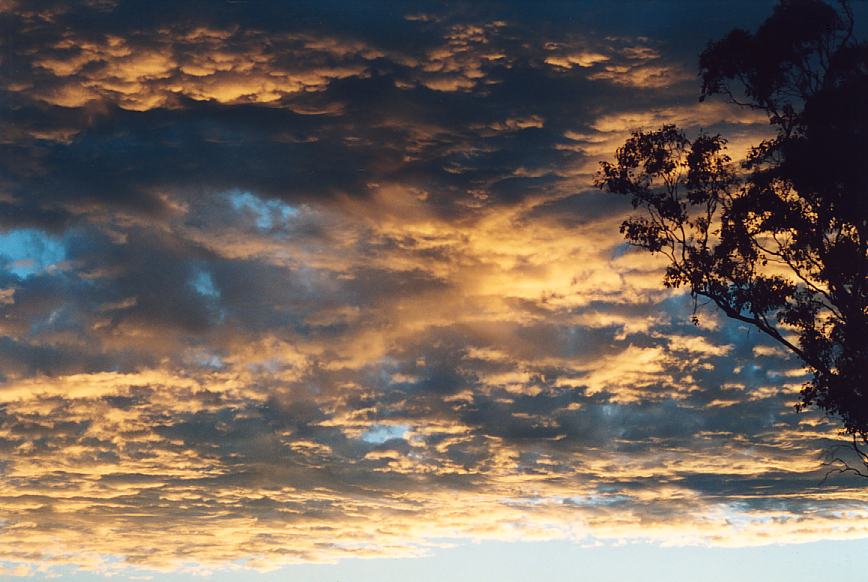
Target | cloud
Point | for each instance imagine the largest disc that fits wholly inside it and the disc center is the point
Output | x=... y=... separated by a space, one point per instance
x=459 y=64
x=141 y=73
x=617 y=61
x=296 y=285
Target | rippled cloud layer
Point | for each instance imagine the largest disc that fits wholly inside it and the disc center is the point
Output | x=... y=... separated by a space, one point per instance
x=290 y=283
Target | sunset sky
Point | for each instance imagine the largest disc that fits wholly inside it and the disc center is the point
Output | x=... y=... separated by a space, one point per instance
x=324 y=291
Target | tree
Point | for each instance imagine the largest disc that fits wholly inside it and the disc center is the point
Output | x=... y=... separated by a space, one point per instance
x=779 y=241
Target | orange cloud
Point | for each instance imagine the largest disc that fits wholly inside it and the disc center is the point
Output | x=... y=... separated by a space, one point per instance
x=227 y=66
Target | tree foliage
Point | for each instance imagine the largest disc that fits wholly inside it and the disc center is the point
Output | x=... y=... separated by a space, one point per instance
x=780 y=240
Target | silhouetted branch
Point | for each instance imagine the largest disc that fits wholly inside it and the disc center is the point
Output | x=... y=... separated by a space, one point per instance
x=843 y=466
x=799 y=207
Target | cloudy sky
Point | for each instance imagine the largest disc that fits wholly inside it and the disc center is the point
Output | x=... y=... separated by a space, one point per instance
x=324 y=290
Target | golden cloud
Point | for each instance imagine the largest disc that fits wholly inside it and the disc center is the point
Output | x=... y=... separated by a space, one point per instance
x=227 y=66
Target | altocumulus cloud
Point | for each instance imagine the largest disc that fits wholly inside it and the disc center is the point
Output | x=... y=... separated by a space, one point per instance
x=299 y=283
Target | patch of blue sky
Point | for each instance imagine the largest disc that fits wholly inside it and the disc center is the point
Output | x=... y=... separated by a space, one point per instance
x=268 y=214
x=595 y=500
x=622 y=249
x=269 y=366
x=211 y=361
x=203 y=283
x=380 y=433
x=26 y=252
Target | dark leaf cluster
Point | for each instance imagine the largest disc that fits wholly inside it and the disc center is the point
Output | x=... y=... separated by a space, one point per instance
x=779 y=241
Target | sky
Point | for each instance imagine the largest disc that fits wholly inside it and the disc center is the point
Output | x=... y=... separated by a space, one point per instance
x=324 y=291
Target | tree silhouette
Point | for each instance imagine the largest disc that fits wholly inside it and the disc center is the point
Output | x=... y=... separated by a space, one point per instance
x=779 y=241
